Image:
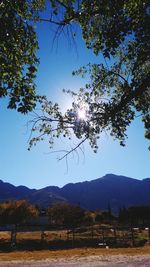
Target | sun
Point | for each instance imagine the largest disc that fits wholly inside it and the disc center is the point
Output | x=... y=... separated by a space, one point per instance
x=82 y=114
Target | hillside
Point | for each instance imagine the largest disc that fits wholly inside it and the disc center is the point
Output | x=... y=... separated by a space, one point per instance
x=118 y=191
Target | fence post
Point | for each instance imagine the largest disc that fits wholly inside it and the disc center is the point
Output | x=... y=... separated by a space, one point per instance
x=149 y=234
x=13 y=238
x=115 y=236
x=73 y=237
x=42 y=236
x=92 y=232
x=67 y=235
x=103 y=236
x=132 y=236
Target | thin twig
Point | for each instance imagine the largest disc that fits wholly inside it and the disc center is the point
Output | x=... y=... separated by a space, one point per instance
x=73 y=149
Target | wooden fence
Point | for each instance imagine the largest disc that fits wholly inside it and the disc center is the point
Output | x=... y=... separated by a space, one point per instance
x=81 y=236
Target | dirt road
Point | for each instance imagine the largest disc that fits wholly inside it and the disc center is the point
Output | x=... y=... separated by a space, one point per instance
x=85 y=261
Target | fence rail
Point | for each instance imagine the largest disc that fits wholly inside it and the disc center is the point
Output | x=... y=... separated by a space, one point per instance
x=84 y=236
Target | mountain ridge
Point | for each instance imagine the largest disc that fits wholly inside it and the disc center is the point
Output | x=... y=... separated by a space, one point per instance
x=114 y=190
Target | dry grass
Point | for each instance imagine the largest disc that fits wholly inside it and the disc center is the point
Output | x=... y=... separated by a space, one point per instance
x=48 y=254
x=28 y=236
x=81 y=233
x=5 y=235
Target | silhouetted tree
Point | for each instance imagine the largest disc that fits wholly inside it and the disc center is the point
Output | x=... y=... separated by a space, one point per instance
x=16 y=212
x=135 y=215
x=118 y=90
x=18 y=49
x=65 y=214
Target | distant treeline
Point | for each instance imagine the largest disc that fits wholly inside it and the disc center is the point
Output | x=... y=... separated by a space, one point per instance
x=21 y=212
x=139 y=215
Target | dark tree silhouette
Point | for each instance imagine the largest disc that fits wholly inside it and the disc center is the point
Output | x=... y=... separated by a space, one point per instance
x=117 y=91
x=65 y=214
x=16 y=212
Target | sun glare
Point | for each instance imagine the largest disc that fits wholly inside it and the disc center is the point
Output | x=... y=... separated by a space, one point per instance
x=82 y=114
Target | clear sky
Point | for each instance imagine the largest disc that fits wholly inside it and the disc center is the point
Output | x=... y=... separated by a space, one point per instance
x=39 y=168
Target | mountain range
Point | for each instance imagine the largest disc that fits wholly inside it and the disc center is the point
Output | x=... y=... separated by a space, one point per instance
x=116 y=191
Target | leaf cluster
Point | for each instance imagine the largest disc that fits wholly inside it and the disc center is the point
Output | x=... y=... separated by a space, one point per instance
x=119 y=90
x=18 y=57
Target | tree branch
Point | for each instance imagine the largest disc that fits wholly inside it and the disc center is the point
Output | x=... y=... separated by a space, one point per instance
x=61 y=23
x=73 y=149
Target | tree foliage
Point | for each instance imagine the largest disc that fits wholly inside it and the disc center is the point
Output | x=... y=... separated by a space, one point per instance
x=18 y=48
x=135 y=215
x=118 y=90
x=16 y=212
x=65 y=214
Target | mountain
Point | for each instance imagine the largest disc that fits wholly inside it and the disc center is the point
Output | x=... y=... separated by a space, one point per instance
x=9 y=191
x=116 y=191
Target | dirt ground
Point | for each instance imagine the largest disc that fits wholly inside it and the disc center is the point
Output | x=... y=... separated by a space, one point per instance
x=88 y=261
x=78 y=258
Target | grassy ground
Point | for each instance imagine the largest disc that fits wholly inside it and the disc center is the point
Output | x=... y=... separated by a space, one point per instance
x=48 y=254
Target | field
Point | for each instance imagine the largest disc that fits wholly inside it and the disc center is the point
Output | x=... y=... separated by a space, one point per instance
x=93 y=236
x=66 y=248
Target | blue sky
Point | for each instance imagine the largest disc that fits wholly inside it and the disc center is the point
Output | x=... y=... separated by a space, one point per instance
x=39 y=168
